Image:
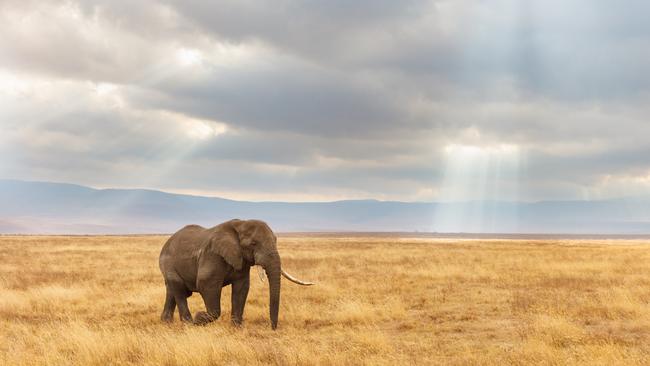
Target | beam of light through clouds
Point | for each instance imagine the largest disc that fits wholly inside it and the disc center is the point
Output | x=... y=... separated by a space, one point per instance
x=479 y=175
x=415 y=100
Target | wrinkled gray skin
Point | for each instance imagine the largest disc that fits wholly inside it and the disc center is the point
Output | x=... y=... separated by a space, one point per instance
x=196 y=259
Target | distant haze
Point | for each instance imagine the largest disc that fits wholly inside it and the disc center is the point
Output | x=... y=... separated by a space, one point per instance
x=50 y=208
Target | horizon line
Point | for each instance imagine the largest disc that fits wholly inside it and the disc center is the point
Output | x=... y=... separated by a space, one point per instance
x=395 y=234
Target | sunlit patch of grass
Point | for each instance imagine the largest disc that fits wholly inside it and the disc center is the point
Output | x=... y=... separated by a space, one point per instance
x=378 y=300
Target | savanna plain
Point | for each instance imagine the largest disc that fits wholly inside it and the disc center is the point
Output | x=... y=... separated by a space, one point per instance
x=378 y=300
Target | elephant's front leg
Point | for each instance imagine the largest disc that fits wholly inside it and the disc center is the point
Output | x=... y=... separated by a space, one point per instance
x=211 y=294
x=239 y=294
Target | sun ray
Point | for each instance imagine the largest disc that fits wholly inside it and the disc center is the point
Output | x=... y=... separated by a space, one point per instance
x=478 y=184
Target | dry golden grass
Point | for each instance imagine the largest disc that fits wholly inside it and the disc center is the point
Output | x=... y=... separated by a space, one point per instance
x=379 y=300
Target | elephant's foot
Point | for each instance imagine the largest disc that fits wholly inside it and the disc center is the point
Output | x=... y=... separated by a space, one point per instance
x=203 y=318
x=167 y=318
x=236 y=322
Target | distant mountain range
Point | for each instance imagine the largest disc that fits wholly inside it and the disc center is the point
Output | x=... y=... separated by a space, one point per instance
x=56 y=208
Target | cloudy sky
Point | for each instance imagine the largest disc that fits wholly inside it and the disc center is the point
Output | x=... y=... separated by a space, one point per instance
x=323 y=100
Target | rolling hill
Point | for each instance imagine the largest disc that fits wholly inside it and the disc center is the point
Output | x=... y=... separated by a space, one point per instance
x=57 y=208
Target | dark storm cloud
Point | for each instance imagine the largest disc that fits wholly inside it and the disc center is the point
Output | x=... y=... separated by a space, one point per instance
x=287 y=97
x=572 y=49
x=329 y=29
x=328 y=99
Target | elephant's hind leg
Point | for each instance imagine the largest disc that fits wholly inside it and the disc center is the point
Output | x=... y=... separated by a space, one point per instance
x=183 y=309
x=180 y=294
x=170 y=305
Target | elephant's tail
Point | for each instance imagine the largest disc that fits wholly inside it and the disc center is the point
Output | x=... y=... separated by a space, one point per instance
x=295 y=280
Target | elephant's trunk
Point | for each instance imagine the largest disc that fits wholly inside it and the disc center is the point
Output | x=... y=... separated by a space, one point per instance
x=273 y=271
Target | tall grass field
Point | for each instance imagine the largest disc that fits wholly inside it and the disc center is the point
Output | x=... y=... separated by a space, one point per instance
x=379 y=300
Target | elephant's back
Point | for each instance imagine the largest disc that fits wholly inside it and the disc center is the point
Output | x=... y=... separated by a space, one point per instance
x=182 y=245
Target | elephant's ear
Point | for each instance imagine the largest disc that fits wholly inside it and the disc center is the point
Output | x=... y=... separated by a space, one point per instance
x=227 y=247
x=245 y=231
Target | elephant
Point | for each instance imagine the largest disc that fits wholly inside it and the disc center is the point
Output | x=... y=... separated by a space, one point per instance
x=196 y=259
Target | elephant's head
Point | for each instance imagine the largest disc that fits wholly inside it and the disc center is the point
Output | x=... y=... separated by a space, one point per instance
x=257 y=245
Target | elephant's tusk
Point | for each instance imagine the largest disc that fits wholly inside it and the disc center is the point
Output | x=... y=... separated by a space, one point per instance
x=295 y=280
x=261 y=273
